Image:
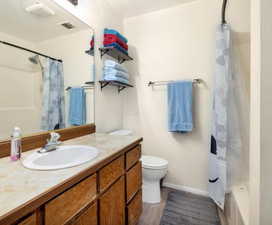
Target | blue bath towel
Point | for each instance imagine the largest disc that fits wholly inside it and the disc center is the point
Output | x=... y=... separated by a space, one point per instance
x=180 y=98
x=77 y=109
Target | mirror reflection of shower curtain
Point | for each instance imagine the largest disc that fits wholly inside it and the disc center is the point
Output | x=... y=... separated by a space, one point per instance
x=225 y=139
x=53 y=114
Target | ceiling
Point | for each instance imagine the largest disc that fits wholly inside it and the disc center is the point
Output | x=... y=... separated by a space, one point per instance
x=130 y=8
x=15 y=21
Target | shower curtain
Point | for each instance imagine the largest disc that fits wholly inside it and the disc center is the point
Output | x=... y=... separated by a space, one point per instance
x=225 y=138
x=53 y=114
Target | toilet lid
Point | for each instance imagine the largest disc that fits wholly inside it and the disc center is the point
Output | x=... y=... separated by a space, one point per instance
x=153 y=162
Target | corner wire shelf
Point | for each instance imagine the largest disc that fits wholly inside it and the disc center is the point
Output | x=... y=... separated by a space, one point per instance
x=120 y=85
x=115 y=53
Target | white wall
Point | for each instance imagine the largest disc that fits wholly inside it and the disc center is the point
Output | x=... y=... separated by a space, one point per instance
x=179 y=43
x=98 y=14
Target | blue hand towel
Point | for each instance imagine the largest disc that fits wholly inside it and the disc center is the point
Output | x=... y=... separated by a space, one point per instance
x=180 y=98
x=77 y=109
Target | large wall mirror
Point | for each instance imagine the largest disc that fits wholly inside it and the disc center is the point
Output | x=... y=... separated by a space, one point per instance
x=47 y=68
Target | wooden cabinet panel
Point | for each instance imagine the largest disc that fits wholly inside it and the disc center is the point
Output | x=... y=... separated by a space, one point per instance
x=134 y=180
x=30 y=220
x=110 y=173
x=112 y=204
x=89 y=217
x=134 y=209
x=67 y=205
x=133 y=157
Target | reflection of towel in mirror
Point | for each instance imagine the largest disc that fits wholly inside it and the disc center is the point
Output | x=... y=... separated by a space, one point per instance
x=77 y=109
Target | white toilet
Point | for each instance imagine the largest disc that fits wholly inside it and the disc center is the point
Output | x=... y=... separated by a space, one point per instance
x=154 y=169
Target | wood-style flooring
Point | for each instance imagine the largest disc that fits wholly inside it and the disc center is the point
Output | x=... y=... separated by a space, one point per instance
x=152 y=213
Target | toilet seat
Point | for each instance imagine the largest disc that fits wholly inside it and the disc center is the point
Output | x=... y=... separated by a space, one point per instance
x=153 y=162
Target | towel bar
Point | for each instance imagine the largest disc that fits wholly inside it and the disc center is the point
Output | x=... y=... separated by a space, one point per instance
x=158 y=83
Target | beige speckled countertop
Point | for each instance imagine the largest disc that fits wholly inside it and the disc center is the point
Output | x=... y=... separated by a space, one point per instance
x=19 y=185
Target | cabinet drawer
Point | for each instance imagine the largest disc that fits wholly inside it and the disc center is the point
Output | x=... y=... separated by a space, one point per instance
x=89 y=217
x=110 y=173
x=112 y=204
x=30 y=220
x=133 y=157
x=67 y=205
x=134 y=180
x=134 y=209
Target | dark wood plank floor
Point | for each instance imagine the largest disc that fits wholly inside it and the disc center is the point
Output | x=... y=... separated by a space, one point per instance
x=152 y=213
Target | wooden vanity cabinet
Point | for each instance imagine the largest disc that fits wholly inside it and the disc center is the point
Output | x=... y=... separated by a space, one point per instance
x=110 y=195
x=29 y=220
x=88 y=217
x=68 y=204
x=112 y=204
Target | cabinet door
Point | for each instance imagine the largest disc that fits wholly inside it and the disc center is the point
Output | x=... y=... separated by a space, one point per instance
x=134 y=209
x=132 y=157
x=68 y=204
x=30 y=220
x=134 y=180
x=89 y=217
x=112 y=204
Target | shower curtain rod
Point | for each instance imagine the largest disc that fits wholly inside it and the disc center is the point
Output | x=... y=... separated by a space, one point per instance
x=224 y=6
x=29 y=50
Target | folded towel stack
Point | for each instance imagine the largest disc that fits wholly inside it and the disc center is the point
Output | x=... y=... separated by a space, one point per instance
x=113 y=71
x=113 y=38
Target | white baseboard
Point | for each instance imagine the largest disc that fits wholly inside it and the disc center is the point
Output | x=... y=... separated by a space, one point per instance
x=186 y=189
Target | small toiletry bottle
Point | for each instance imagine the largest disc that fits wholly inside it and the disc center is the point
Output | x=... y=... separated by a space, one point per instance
x=16 y=144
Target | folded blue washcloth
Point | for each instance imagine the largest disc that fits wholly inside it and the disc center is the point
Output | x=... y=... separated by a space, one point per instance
x=77 y=109
x=114 y=78
x=115 y=32
x=180 y=98
x=113 y=72
x=115 y=65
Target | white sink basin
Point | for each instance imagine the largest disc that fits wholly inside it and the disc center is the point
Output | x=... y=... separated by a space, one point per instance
x=63 y=157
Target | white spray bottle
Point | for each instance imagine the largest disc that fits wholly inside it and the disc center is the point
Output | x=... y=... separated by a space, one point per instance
x=16 y=144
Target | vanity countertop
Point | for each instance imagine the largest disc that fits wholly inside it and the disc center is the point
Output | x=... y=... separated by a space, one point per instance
x=19 y=186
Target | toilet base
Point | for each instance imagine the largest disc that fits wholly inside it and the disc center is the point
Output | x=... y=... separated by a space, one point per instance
x=151 y=192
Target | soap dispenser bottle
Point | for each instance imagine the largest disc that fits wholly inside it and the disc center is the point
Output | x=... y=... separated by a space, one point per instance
x=16 y=144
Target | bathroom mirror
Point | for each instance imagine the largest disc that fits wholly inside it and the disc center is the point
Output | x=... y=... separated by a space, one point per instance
x=47 y=68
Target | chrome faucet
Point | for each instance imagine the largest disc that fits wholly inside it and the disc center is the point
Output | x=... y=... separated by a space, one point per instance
x=52 y=143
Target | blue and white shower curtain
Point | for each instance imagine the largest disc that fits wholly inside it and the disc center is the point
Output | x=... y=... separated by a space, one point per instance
x=53 y=114
x=220 y=130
